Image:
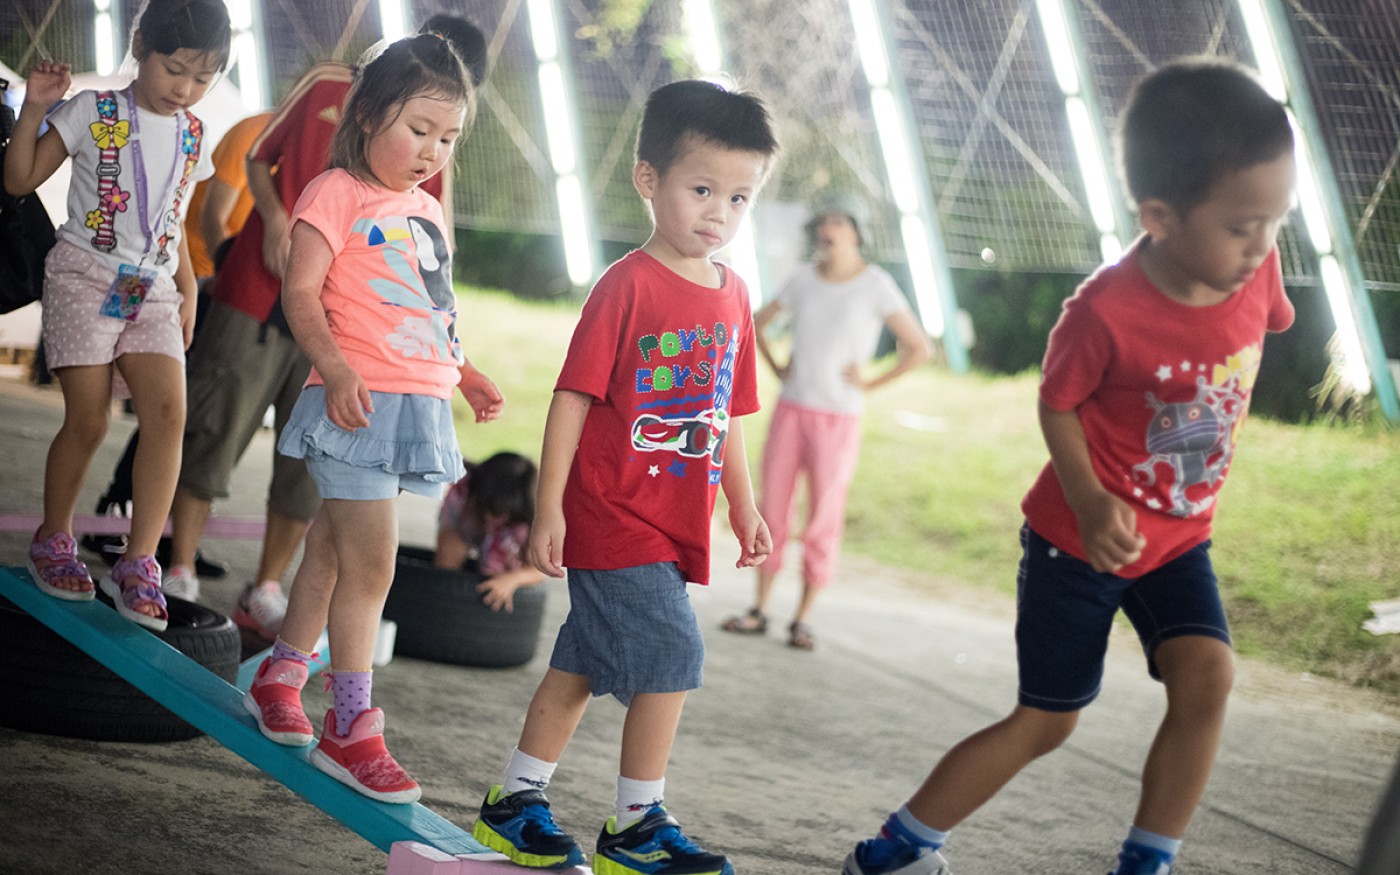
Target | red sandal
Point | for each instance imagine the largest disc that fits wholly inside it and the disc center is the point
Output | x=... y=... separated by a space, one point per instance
x=60 y=551
x=133 y=582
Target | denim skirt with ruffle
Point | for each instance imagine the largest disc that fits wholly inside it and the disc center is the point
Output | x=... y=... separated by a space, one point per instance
x=411 y=436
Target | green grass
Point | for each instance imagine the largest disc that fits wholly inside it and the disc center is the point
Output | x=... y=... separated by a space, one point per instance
x=1307 y=534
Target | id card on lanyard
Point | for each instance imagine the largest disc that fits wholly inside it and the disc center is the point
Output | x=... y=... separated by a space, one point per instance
x=134 y=282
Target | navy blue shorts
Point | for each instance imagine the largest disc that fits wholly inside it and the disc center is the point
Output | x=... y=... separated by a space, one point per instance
x=1064 y=612
x=631 y=630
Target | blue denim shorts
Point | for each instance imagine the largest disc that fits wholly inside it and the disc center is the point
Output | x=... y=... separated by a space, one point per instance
x=631 y=630
x=1064 y=612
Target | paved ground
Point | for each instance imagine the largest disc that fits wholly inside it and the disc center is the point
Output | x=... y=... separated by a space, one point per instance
x=784 y=759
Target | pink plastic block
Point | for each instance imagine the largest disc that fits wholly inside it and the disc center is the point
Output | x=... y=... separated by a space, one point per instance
x=415 y=858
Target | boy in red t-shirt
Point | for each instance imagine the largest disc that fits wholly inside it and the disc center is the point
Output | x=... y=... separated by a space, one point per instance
x=642 y=430
x=1145 y=386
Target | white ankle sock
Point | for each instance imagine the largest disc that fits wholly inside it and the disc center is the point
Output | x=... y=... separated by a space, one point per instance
x=636 y=798
x=524 y=772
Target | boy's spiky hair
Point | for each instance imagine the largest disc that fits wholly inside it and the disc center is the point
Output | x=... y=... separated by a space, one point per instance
x=694 y=109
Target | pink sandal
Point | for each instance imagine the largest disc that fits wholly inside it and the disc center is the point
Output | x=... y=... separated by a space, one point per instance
x=134 y=582
x=61 y=552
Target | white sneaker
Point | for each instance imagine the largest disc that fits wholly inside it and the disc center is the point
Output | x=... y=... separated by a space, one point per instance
x=181 y=582
x=261 y=608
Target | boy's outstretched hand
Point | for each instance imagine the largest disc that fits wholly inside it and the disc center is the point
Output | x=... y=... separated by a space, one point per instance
x=754 y=541
x=1108 y=531
x=481 y=393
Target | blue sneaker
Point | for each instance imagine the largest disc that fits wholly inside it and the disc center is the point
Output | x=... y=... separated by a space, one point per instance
x=887 y=855
x=521 y=826
x=654 y=845
x=1136 y=859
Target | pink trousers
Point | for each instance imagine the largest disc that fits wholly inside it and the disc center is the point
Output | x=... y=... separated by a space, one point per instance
x=824 y=447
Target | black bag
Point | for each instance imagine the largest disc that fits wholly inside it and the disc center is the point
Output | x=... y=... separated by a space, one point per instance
x=26 y=234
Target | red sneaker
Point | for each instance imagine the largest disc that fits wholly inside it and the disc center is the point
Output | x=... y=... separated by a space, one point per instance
x=360 y=760
x=274 y=700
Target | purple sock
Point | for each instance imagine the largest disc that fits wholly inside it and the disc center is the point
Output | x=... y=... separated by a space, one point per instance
x=350 y=690
x=283 y=650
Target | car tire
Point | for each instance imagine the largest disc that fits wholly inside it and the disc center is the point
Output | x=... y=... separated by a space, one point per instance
x=441 y=617
x=48 y=685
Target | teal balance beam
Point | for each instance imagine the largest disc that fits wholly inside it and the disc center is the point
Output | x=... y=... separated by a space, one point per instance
x=215 y=707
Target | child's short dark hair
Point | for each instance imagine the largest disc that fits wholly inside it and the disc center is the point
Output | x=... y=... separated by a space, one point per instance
x=415 y=66
x=202 y=26
x=1192 y=120
x=694 y=109
x=504 y=486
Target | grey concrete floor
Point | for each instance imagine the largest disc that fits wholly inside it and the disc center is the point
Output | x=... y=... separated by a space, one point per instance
x=784 y=758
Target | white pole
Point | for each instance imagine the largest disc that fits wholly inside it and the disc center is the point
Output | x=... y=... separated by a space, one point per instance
x=575 y=219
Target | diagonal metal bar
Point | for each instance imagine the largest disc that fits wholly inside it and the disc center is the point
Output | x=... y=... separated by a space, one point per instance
x=304 y=35
x=1118 y=33
x=356 y=14
x=1380 y=86
x=997 y=120
x=36 y=35
x=952 y=186
x=1363 y=224
x=515 y=129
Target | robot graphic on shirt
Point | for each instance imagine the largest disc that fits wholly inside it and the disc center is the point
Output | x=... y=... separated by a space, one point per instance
x=1195 y=440
x=424 y=290
x=701 y=434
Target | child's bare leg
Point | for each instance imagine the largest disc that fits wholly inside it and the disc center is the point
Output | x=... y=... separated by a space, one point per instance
x=158 y=393
x=648 y=733
x=554 y=714
x=308 y=607
x=1198 y=673
x=365 y=536
x=981 y=764
x=87 y=410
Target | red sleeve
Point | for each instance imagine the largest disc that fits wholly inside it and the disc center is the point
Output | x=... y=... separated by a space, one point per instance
x=1281 y=310
x=745 y=400
x=1078 y=354
x=295 y=109
x=593 y=350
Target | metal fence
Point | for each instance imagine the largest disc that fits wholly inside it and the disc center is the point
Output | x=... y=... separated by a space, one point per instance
x=998 y=150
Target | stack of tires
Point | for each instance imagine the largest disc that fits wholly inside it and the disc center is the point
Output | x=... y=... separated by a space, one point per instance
x=441 y=617
x=50 y=686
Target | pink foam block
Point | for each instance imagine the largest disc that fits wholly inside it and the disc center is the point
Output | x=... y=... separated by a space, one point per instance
x=415 y=858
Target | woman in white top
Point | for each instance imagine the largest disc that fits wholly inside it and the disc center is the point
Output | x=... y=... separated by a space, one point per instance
x=838 y=306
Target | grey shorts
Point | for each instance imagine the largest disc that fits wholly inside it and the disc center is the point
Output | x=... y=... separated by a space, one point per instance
x=631 y=630
x=238 y=370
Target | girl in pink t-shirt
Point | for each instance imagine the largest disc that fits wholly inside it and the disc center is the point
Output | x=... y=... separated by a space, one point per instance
x=368 y=295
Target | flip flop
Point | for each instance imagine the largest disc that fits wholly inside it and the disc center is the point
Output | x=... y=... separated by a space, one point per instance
x=755 y=622
x=800 y=636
